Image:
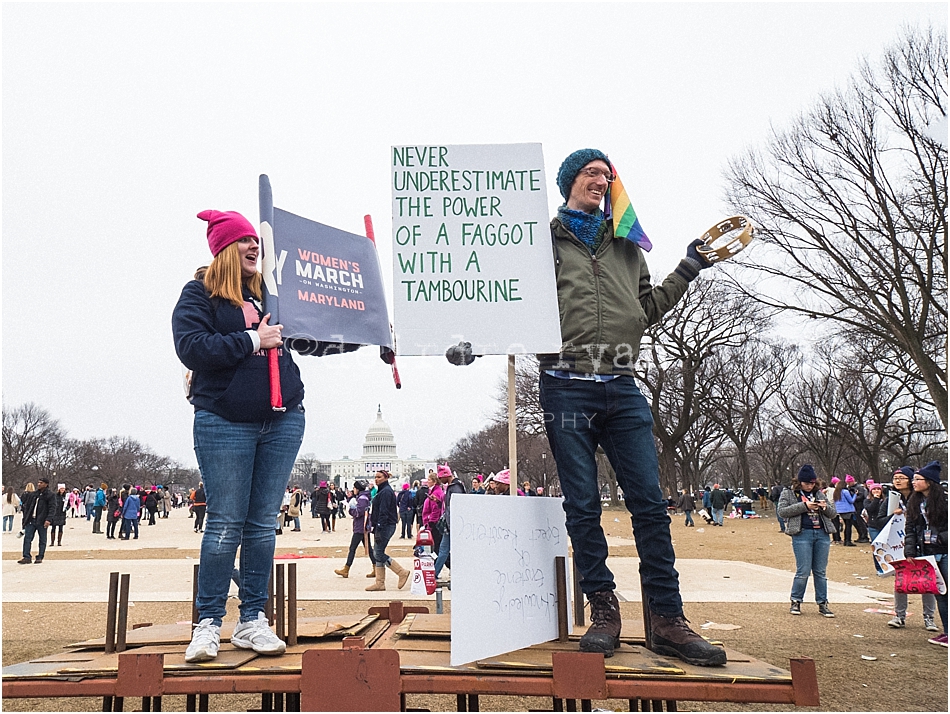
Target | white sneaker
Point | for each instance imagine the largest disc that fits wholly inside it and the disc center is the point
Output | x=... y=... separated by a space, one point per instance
x=205 y=641
x=258 y=636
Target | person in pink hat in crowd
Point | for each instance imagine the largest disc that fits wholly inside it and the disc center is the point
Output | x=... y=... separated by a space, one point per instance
x=432 y=509
x=874 y=514
x=501 y=483
x=450 y=486
x=829 y=492
x=844 y=506
x=245 y=448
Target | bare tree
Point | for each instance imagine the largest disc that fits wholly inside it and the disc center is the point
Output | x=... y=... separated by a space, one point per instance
x=528 y=412
x=676 y=367
x=750 y=375
x=31 y=438
x=851 y=201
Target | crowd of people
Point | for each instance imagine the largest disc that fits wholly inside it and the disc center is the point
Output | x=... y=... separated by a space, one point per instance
x=818 y=515
x=44 y=512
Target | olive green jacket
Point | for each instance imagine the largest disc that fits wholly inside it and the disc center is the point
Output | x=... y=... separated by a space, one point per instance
x=606 y=301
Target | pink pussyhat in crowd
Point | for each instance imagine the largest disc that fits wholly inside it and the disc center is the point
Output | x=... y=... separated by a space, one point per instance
x=503 y=477
x=848 y=478
x=835 y=479
x=225 y=228
x=444 y=472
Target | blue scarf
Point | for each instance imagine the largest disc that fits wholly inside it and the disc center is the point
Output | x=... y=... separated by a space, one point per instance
x=586 y=226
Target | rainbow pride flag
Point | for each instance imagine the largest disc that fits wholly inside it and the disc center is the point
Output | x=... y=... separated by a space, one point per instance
x=626 y=223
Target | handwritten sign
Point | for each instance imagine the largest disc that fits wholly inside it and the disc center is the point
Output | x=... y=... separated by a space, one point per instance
x=918 y=576
x=504 y=591
x=472 y=253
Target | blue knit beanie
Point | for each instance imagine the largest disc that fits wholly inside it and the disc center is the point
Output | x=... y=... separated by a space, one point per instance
x=807 y=474
x=572 y=165
x=931 y=471
x=907 y=471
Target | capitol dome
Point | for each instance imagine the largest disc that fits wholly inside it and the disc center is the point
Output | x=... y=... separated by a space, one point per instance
x=379 y=442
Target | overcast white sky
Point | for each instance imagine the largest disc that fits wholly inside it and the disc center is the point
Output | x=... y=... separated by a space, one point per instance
x=121 y=122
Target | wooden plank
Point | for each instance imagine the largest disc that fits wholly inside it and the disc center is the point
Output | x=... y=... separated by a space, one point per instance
x=229 y=657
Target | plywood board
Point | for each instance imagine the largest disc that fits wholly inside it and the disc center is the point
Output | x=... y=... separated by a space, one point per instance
x=71 y=656
x=158 y=635
x=426 y=625
x=229 y=658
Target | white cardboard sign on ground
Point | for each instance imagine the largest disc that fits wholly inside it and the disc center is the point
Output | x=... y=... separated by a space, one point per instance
x=472 y=255
x=504 y=588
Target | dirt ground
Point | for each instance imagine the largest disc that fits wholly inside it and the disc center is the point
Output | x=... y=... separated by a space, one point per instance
x=908 y=675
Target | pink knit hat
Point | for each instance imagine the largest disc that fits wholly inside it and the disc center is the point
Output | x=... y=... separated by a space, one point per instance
x=225 y=228
x=848 y=478
x=444 y=471
x=503 y=476
x=835 y=479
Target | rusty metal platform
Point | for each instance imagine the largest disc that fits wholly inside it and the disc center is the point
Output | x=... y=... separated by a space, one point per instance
x=377 y=660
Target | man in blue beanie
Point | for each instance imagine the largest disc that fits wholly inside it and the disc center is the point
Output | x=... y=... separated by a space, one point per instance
x=590 y=399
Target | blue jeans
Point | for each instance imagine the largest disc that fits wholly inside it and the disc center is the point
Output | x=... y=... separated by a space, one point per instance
x=406 y=518
x=381 y=538
x=781 y=521
x=28 y=532
x=689 y=518
x=8 y=524
x=717 y=514
x=127 y=525
x=445 y=549
x=579 y=415
x=811 y=549
x=245 y=467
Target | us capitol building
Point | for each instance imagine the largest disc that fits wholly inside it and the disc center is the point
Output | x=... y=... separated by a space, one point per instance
x=379 y=452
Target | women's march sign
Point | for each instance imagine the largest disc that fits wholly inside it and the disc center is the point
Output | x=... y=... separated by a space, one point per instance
x=472 y=253
x=321 y=283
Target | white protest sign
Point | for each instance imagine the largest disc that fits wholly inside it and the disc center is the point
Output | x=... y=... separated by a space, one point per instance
x=504 y=587
x=472 y=252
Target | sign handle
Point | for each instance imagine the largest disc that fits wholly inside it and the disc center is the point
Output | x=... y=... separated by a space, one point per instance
x=371 y=234
x=512 y=431
x=273 y=369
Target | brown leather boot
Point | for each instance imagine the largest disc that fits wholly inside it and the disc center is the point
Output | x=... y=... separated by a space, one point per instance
x=343 y=572
x=380 y=583
x=371 y=573
x=672 y=636
x=401 y=572
x=603 y=635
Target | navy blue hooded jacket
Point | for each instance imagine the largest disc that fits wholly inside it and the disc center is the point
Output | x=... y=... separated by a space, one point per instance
x=230 y=379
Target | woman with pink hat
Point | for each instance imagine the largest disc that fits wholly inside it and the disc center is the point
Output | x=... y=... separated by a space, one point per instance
x=245 y=447
x=844 y=505
x=501 y=484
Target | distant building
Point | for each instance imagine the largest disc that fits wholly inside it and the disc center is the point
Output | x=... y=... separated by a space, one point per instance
x=379 y=452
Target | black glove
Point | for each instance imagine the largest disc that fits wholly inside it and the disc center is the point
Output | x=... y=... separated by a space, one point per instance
x=460 y=354
x=694 y=255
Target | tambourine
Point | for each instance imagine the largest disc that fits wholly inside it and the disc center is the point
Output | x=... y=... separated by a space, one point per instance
x=726 y=238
